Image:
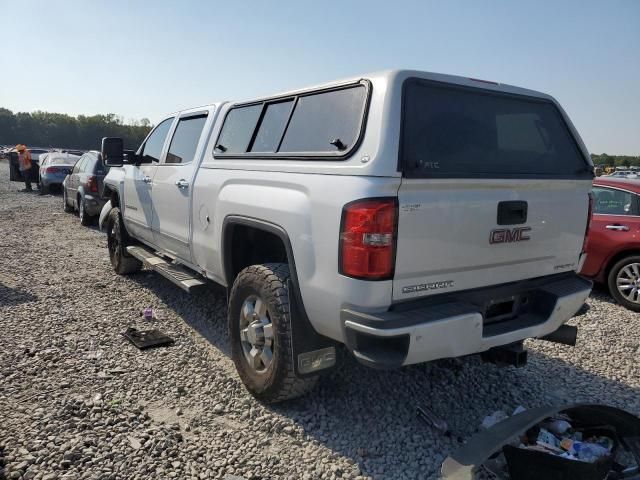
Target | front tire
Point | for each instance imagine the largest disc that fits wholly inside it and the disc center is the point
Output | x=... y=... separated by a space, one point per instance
x=624 y=282
x=260 y=334
x=117 y=242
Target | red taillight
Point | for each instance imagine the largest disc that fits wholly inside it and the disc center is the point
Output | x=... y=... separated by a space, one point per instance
x=92 y=183
x=52 y=170
x=589 y=216
x=368 y=238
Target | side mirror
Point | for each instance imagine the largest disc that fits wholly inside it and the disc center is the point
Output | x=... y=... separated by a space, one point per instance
x=112 y=151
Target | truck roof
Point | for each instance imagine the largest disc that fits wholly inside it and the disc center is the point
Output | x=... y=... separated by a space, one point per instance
x=388 y=77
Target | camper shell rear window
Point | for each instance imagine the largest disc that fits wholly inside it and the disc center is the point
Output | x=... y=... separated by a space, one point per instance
x=451 y=131
x=320 y=124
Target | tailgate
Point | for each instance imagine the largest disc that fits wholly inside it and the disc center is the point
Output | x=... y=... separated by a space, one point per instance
x=495 y=190
x=450 y=237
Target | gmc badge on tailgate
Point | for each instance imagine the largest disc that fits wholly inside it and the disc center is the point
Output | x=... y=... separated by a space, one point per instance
x=509 y=235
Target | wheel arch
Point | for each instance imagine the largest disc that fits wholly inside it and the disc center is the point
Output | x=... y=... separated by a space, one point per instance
x=616 y=258
x=111 y=193
x=230 y=227
x=305 y=337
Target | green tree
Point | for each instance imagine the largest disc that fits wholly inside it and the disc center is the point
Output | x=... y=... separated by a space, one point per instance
x=45 y=129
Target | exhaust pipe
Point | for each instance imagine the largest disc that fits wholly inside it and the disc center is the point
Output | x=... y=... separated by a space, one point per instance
x=513 y=354
x=566 y=334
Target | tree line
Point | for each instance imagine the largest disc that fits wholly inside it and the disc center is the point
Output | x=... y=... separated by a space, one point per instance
x=45 y=129
x=615 y=160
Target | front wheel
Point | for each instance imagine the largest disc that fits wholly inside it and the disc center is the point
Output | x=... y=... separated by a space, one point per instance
x=117 y=242
x=260 y=334
x=624 y=282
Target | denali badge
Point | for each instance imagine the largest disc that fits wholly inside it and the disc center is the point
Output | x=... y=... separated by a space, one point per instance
x=509 y=235
x=427 y=286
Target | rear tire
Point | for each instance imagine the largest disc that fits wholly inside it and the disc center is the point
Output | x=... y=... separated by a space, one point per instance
x=260 y=334
x=44 y=189
x=117 y=242
x=65 y=201
x=624 y=282
x=85 y=218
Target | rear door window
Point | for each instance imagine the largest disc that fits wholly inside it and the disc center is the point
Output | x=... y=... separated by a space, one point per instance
x=610 y=201
x=450 y=131
x=76 y=167
x=185 y=139
x=152 y=148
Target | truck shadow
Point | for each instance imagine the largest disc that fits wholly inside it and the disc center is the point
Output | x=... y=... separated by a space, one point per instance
x=368 y=417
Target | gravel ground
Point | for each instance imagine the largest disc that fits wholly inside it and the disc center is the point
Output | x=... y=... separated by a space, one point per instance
x=78 y=401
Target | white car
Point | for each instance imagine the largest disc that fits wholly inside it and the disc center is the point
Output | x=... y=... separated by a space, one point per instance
x=407 y=215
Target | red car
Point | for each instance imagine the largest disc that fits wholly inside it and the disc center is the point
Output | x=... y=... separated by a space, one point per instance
x=613 y=242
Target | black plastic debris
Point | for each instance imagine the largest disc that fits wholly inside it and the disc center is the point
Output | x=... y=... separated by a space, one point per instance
x=144 y=339
x=572 y=442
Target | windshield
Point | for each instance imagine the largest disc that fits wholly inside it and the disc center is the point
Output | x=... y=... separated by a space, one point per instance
x=451 y=131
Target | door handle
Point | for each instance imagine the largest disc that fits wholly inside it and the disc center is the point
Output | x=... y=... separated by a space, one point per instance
x=182 y=183
x=618 y=228
x=146 y=179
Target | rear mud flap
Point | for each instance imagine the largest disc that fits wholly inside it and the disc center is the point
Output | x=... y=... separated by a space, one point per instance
x=465 y=462
x=313 y=353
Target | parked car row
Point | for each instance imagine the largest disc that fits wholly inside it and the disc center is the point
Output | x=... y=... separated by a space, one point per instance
x=77 y=173
x=38 y=155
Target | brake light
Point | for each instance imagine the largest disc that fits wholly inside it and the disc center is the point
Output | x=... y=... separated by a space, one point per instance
x=590 y=215
x=52 y=170
x=92 y=183
x=368 y=238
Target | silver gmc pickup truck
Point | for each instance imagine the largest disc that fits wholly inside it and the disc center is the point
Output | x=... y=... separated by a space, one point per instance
x=406 y=215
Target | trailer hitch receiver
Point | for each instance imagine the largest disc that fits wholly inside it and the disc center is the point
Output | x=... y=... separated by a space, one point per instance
x=512 y=354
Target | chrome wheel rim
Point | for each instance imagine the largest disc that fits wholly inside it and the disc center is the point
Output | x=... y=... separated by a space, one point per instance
x=256 y=334
x=81 y=210
x=628 y=282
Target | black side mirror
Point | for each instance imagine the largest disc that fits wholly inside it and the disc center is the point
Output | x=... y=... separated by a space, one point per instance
x=112 y=151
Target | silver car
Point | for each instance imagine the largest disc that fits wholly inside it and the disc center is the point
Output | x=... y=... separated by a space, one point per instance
x=54 y=167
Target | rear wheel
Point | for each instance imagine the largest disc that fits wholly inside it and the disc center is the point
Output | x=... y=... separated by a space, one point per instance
x=44 y=189
x=260 y=334
x=624 y=282
x=117 y=242
x=65 y=200
x=85 y=218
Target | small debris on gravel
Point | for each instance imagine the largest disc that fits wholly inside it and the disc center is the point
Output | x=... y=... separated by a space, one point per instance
x=77 y=401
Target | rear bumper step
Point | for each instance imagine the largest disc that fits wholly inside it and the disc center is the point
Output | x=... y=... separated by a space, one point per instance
x=177 y=274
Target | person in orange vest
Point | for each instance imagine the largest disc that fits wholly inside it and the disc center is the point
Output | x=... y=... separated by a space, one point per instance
x=24 y=164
